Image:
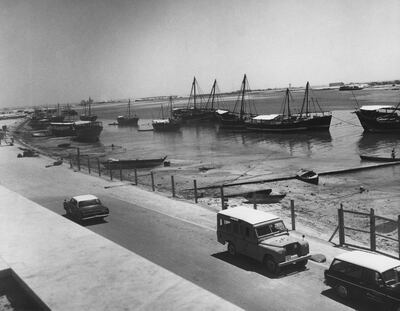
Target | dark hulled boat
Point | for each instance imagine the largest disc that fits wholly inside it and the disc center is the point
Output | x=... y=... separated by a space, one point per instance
x=194 y=112
x=135 y=163
x=129 y=119
x=166 y=124
x=379 y=118
x=88 y=131
x=309 y=118
x=379 y=159
x=241 y=113
x=62 y=129
x=87 y=115
x=308 y=176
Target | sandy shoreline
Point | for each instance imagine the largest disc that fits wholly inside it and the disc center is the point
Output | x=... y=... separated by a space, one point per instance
x=316 y=206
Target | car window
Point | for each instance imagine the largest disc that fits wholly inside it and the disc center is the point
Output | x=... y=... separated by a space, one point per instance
x=392 y=276
x=275 y=227
x=227 y=225
x=89 y=202
x=347 y=268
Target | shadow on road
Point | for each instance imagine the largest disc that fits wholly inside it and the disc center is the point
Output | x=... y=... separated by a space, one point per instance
x=354 y=303
x=86 y=223
x=249 y=264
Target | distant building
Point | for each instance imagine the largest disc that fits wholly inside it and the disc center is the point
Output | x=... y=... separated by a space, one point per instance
x=336 y=84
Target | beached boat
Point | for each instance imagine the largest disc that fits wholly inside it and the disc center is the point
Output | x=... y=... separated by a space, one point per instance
x=194 y=112
x=87 y=115
x=129 y=119
x=308 y=176
x=308 y=119
x=87 y=131
x=135 y=163
x=379 y=118
x=379 y=159
x=62 y=129
x=166 y=124
x=242 y=110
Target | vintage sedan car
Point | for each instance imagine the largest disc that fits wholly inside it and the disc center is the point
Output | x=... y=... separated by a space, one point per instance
x=367 y=276
x=262 y=236
x=84 y=207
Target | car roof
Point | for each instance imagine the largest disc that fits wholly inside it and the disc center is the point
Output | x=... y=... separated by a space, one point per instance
x=369 y=260
x=84 y=197
x=249 y=215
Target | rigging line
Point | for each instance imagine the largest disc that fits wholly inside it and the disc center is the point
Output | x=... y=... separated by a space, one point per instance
x=346 y=121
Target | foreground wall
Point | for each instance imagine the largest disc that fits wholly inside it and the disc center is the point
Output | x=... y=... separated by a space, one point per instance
x=69 y=267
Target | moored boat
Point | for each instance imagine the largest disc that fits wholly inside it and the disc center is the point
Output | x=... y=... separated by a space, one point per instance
x=350 y=87
x=133 y=163
x=242 y=111
x=62 y=129
x=169 y=124
x=379 y=159
x=308 y=176
x=87 y=115
x=129 y=119
x=88 y=131
x=379 y=118
x=308 y=119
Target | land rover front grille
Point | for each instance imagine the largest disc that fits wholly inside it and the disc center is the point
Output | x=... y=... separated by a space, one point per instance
x=292 y=249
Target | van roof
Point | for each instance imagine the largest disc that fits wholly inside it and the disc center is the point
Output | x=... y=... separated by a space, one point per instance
x=249 y=215
x=85 y=197
x=369 y=260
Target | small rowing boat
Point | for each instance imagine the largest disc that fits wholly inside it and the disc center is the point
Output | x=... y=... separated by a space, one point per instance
x=378 y=159
x=136 y=163
x=308 y=176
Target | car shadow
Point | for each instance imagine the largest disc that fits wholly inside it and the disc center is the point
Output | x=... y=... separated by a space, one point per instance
x=354 y=303
x=250 y=264
x=86 y=223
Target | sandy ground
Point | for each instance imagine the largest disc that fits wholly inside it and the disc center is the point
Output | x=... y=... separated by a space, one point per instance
x=316 y=206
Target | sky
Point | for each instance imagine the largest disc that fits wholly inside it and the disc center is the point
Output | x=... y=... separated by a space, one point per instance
x=63 y=51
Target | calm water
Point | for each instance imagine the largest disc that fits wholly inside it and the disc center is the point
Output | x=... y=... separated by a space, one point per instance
x=278 y=154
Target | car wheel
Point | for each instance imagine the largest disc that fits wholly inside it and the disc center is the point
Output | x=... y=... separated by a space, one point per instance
x=272 y=266
x=302 y=264
x=342 y=291
x=231 y=249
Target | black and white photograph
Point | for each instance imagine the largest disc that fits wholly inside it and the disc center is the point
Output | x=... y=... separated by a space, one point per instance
x=200 y=155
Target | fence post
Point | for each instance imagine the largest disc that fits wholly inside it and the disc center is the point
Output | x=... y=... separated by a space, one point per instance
x=88 y=164
x=152 y=181
x=341 y=225
x=135 y=170
x=173 y=186
x=372 y=229
x=293 y=216
x=70 y=161
x=223 y=205
x=255 y=205
x=195 y=190
x=98 y=166
x=398 y=232
x=78 y=157
x=111 y=177
x=120 y=172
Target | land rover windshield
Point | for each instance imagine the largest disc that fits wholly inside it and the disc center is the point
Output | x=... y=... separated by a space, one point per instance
x=271 y=228
x=392 y=277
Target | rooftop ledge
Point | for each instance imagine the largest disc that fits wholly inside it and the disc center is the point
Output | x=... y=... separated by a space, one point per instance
x=68 y=267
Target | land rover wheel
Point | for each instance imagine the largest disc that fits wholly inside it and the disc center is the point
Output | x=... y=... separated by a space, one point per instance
x=342 y=291
x=302 y=264
x=231 y=249
x=272 y=266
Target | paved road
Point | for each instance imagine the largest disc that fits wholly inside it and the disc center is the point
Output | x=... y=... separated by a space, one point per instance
x=193 y=253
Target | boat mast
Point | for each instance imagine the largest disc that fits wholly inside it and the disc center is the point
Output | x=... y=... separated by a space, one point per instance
x=212 y=95
x=194 y=92
x=243 y=93
x=89 y=103
x=170 y=106
x=305 y=101
x=129 y=108
x=288 y=103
